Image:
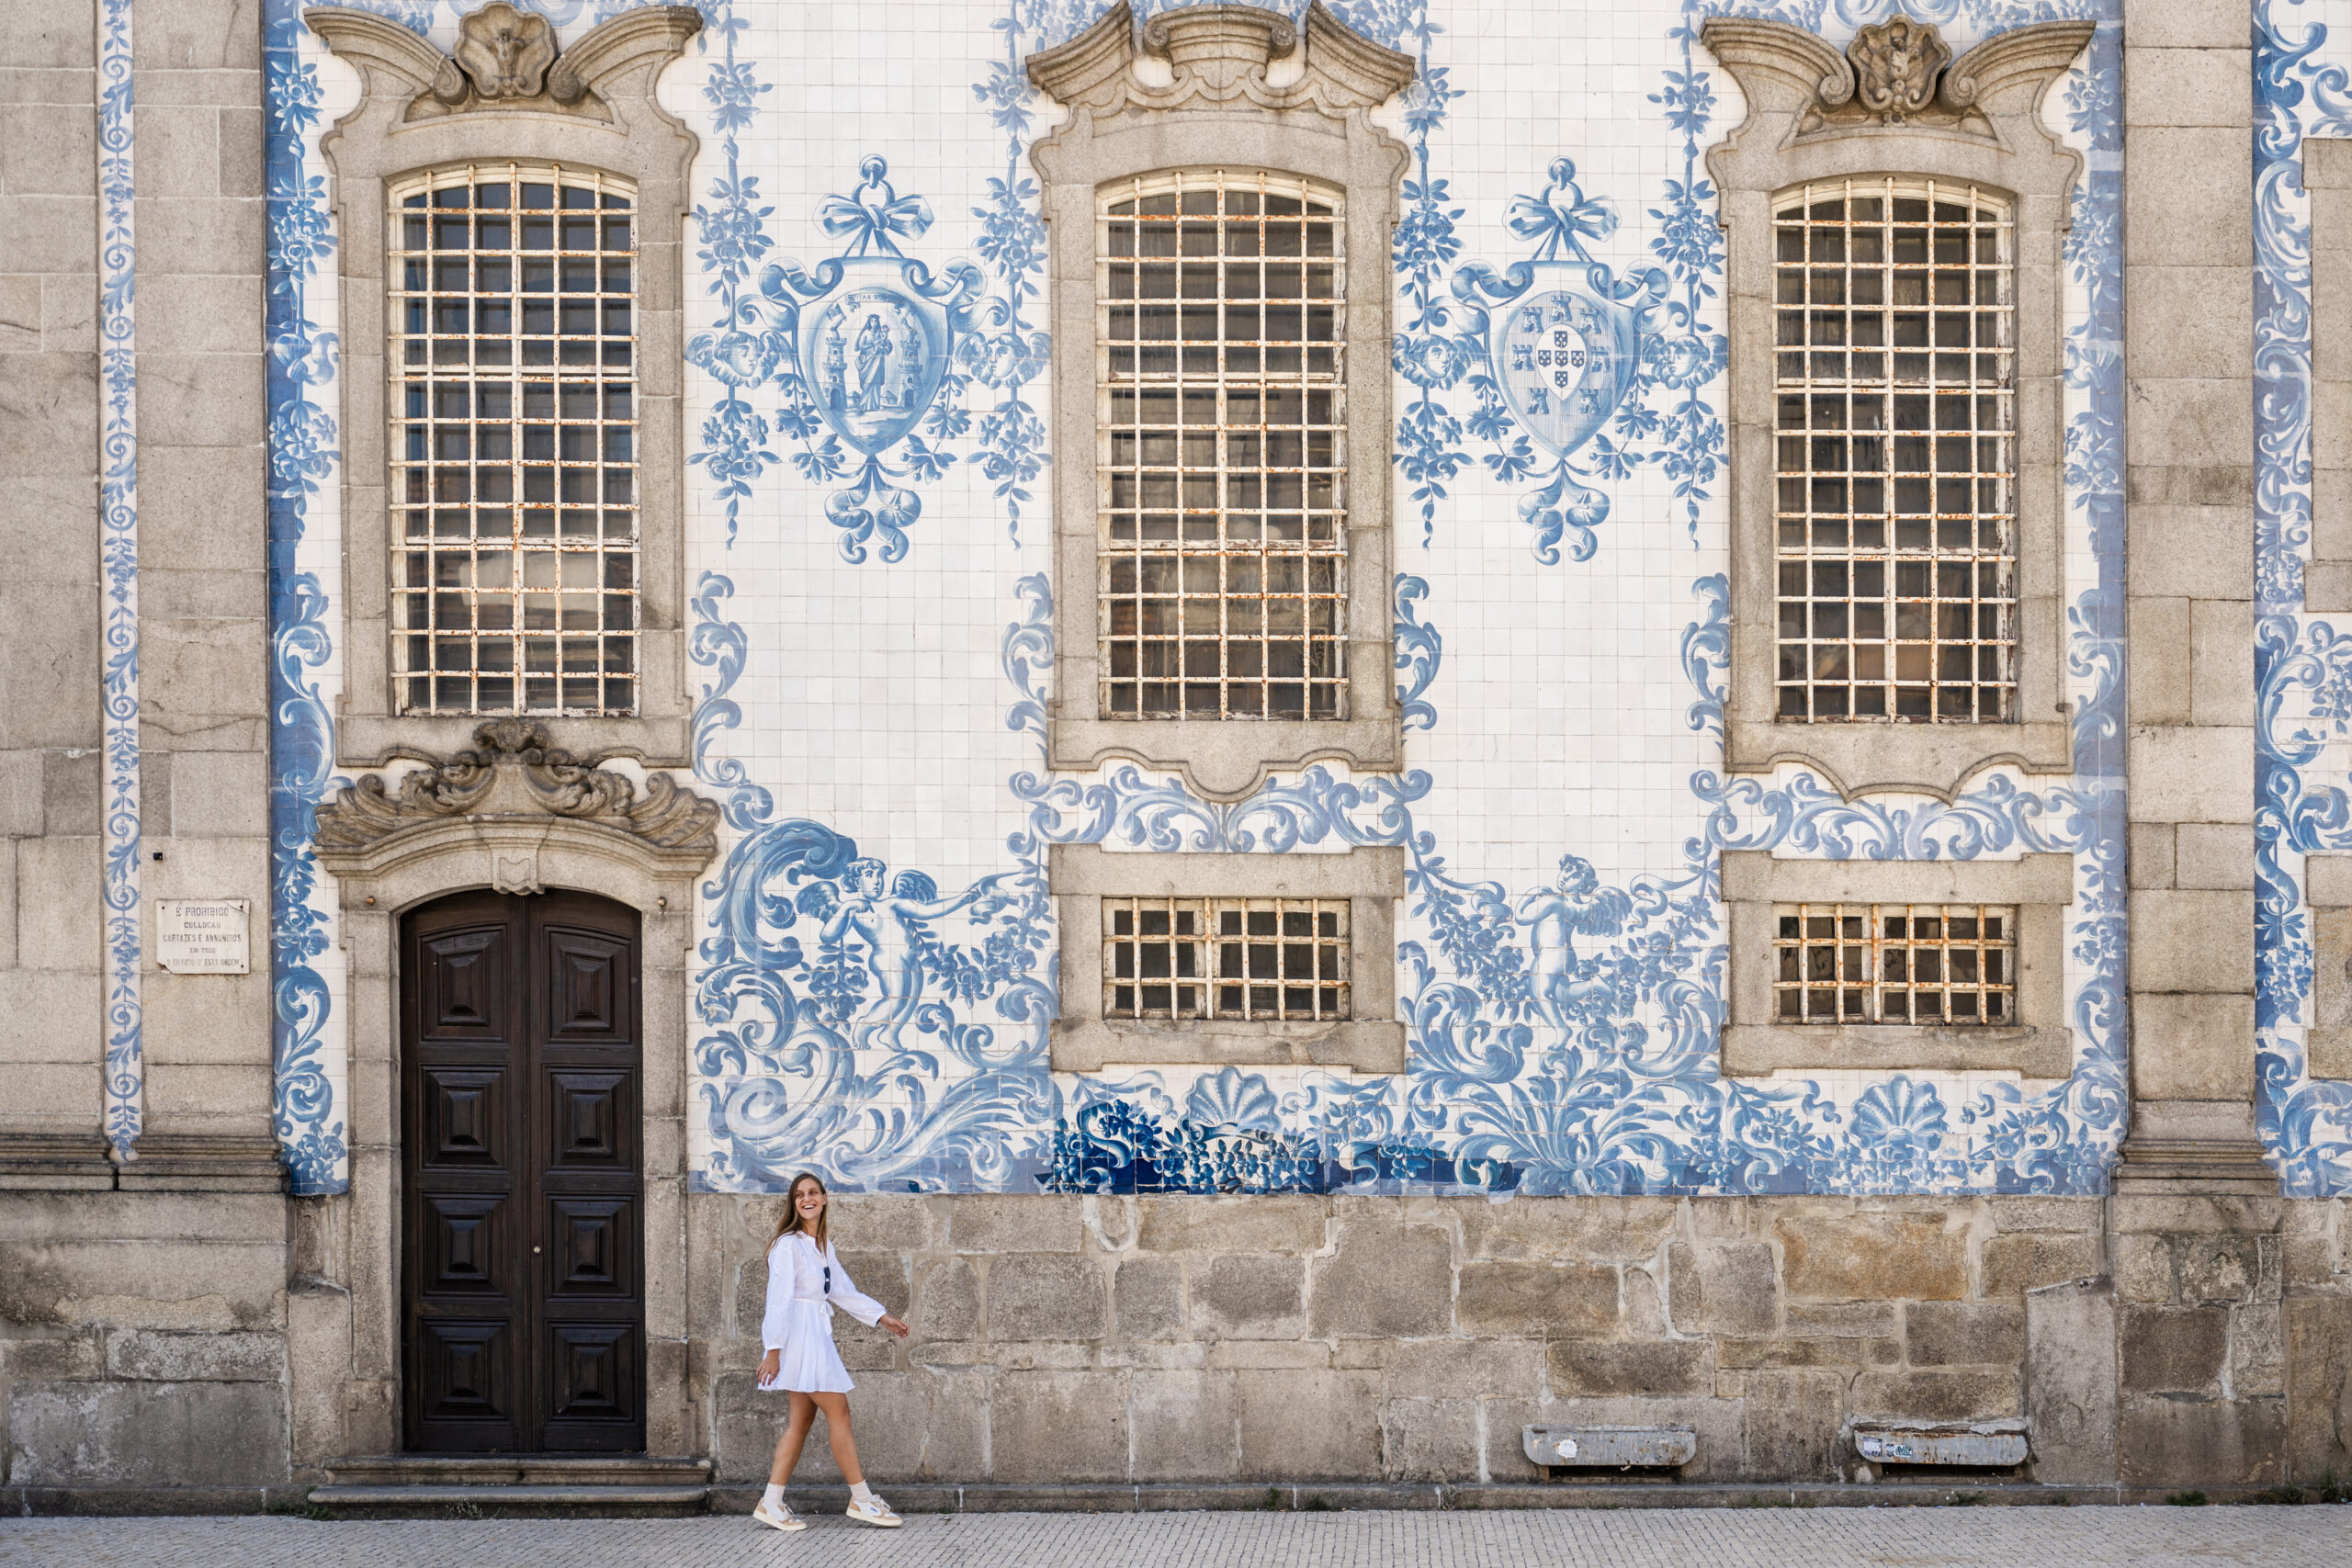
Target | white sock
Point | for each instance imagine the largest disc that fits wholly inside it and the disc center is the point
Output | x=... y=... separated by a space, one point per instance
x=773 y=1498
x=860 y=1492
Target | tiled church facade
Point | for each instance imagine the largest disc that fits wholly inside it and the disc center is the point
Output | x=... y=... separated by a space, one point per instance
x=755 y=532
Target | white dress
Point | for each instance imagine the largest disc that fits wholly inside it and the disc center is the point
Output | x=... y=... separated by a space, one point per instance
x=799 y=1317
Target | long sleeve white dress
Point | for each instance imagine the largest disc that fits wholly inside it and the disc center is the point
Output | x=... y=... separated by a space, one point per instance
x=803 y=1286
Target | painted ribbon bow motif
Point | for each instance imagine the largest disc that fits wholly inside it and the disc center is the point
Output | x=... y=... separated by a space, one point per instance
x=1565 y=342
x=862 y=345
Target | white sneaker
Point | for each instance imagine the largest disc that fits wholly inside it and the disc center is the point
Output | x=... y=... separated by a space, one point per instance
x=785 y=1520
x=873 y=1511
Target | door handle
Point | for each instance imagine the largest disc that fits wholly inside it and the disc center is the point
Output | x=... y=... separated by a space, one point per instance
x=534 y=1252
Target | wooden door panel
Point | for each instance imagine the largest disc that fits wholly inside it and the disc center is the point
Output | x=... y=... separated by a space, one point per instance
x=592 y=1252
x=465 y=984
x=465 y=1118
x=523 y=1245
x=465 y=1251
x=588 y=994
x=468 y=1375
x=592 y=1120
x=595 y=1382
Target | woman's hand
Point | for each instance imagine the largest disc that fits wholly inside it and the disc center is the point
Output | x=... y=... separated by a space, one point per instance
x=770 y=1364
x=896 y=1325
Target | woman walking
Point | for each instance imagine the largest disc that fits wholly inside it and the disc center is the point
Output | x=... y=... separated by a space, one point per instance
x=805 y=1282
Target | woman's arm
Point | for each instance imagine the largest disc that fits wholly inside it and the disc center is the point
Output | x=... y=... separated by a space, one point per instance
x=771 y=1320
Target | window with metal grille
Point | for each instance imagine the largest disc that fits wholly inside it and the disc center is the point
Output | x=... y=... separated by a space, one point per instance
x=1896 y=512
x=513 y=441
x=1895 y=964
x=1227 y=958
x=1224 y=538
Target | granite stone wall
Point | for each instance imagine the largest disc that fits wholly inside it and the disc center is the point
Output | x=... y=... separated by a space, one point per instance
x=1268 y=1339
x=142 y=1346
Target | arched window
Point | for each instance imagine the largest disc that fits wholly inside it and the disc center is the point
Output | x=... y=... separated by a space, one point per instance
x=1224 y=549
x=1893 y=222
x=510 y=231
x=514 y=410
x=1895 y=508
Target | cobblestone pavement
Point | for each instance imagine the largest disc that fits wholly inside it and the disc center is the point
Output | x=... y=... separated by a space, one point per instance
x=2317 y=1536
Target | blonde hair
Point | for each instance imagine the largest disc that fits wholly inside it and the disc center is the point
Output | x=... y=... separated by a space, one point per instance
x=791 y=1220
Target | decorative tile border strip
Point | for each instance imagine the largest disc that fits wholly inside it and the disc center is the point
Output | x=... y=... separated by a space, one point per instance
x=307 y=1111
x=118 y=563
x=2303 y=664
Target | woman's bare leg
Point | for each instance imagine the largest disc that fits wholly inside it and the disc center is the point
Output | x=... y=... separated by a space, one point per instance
x=836 y=1409
x=795 y=1433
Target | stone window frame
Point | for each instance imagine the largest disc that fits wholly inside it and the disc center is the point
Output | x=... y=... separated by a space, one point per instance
x=1205 y=87
x=1372 y=879
x=1815 y=114
x=2327 y=1047
x=592 y=108
x=1755 y=1044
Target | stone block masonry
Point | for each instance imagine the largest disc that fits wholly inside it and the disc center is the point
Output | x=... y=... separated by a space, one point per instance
x=1107 y=1341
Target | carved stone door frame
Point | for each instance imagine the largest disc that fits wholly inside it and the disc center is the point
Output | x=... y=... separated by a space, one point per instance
x=517 y=815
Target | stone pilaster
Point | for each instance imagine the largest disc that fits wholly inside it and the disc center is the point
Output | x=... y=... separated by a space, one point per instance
x=204 y=630
x=51 y=1002
x=2193 y=1227
x=2189 y=482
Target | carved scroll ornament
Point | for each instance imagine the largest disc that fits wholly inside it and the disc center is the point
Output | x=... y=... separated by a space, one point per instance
x=513 y=771
x=1212 y=57
x=506 y=58
x=1895 y=75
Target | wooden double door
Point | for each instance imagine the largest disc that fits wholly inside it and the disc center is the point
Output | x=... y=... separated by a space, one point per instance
x=523 y=1196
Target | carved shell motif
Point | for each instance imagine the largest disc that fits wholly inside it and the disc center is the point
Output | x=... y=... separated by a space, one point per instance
x=505 y=51
x=1897 y=63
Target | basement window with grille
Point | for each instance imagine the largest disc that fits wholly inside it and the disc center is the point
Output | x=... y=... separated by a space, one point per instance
x=1895 y=964
x=1283 y=959
x=514 y=442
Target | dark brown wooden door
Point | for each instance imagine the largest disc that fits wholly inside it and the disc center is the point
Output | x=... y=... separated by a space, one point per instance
x=523 y=1238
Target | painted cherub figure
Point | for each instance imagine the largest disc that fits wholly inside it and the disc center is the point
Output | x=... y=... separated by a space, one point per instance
x=1576 y=904
x=894 y=946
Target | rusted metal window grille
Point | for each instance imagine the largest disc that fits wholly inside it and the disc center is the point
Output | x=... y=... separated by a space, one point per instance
x=1895 y=964
x=514 y=443
x=1224 y=541
x=1231 y=958
x=1896 y=511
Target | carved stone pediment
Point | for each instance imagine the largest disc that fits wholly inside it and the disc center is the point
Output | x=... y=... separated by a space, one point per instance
x=1896 y=73
x=513 y=773
x=505 y=59
x=1212 y=57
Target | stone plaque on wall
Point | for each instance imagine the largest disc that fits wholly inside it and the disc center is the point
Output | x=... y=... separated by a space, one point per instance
x=202 y=936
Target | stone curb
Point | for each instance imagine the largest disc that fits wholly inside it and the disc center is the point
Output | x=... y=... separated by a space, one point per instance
x=933 y=1499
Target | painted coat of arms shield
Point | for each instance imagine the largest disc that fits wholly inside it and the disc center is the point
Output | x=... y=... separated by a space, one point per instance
x=1564 y=359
